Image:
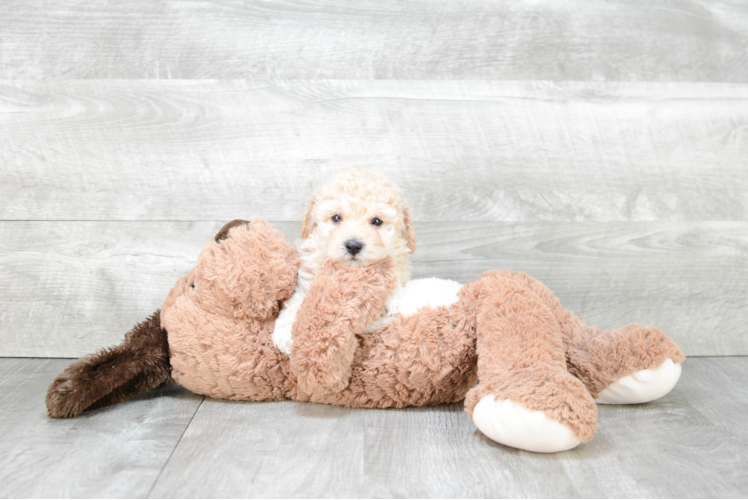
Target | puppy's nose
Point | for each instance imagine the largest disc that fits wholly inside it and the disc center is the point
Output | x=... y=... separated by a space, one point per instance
x=353 y=246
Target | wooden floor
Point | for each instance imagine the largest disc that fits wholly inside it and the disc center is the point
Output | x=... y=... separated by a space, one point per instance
x=172 y=443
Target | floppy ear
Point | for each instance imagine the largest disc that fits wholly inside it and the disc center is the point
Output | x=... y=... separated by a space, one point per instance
x=408 y=233
x=308 y=220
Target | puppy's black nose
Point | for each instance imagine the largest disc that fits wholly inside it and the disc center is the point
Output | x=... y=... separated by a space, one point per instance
x=353 y=246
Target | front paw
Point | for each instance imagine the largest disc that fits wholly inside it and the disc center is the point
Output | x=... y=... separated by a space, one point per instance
x=282 y=338
x=642 y=386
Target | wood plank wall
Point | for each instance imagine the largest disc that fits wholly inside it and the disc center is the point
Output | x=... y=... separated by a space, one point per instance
x=600 y=147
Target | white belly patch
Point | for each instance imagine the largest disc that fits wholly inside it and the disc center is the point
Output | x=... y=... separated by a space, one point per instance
x=424 y=292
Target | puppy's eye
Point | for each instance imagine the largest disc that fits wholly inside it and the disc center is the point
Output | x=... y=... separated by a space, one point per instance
x=376 y=222
x=336 y=218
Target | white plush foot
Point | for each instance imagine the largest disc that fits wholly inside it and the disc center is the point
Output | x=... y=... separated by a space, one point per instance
x=509 y=423
x=641 y=387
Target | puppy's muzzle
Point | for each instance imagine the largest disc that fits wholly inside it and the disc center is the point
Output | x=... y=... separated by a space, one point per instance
x=353 y=246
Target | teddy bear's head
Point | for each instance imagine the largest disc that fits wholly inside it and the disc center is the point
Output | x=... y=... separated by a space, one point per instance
x=249 y=274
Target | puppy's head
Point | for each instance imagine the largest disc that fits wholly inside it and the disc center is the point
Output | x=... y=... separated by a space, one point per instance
x=357 y=219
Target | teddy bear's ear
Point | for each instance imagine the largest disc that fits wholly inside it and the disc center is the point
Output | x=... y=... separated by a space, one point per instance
x=408 y=233
x=308 y=220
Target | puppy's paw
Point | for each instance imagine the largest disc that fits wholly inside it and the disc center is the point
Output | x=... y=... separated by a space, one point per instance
x=642 y=386
x=282 y=336
x=511 y=424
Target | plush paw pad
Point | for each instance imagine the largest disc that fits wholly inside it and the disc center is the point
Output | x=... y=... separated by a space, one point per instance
x=511 y=424
x=641 y=387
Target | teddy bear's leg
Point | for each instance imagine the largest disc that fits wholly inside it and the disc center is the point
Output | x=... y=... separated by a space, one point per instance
x=631 y=364
x=628 y=365
x=109 y=376
x=525 y=397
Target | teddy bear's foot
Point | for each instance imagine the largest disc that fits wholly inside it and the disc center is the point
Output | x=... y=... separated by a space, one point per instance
x=511 y=424
x=642 y=386
x=535 y=409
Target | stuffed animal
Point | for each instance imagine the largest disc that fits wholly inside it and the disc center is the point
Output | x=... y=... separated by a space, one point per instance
x=529 y=370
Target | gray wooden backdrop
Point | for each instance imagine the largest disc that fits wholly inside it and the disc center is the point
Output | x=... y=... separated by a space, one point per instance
x=600 y=146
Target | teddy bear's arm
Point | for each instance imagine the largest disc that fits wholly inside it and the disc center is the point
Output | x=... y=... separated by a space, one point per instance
x=340 y=303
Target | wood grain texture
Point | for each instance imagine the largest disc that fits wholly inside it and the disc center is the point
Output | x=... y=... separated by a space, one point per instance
x=461 y=151
x=689 y=444
x=78 y=286
x=673 y=40
x=728 y=413
x=285 y=449
x=653 y=450
x=661 y=449
x=115 y=452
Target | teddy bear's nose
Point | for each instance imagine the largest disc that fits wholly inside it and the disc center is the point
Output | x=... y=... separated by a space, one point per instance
x=353 y=246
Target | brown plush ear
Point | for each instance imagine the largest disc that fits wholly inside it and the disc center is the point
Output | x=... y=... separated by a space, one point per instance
x=408 y=233
x=224 y=231
x=308 y=220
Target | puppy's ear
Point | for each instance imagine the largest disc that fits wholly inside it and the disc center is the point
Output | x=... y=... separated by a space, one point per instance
x=308 y=220
x=408 y=233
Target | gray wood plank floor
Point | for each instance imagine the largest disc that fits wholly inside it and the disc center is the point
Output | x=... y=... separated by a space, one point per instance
x=171 y=443
x=103 y=454
x=79 y=286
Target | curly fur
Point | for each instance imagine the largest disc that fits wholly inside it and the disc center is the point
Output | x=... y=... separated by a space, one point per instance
x=357 y=196
x=342 y=211
x=340 y=303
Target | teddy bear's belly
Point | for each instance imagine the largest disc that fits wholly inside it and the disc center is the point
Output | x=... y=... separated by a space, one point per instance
x=424 y=358
x=221 y=358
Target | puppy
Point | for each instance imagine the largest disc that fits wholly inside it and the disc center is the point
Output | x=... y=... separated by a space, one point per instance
x=357 y=219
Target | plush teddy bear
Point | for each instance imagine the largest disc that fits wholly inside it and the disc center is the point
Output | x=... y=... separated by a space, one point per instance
x=529 y=370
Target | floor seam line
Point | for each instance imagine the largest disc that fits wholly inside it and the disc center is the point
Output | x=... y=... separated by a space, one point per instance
x=155 y=481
